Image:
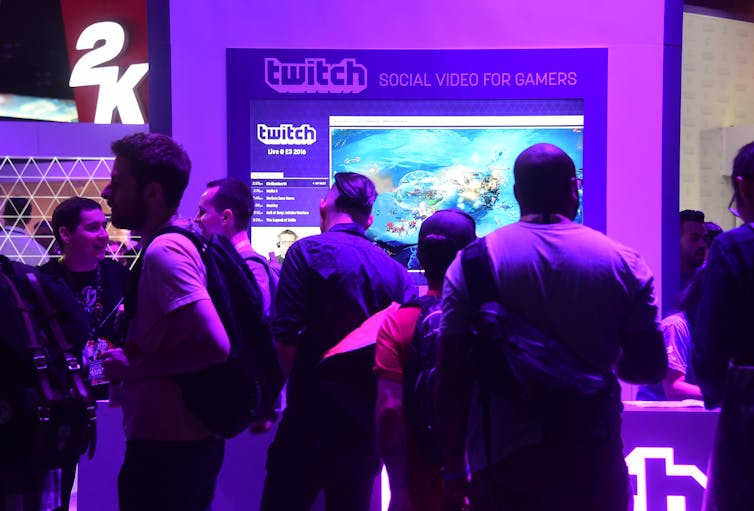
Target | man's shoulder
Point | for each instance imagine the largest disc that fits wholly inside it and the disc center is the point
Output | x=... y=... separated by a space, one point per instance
x=171 y=243
x=742 y=235
x=735 y=248
x=52 y=267
x=18 y=232
x=324 y=238
x=173 y=253
x=340 y=240
x=251 y=256
x=584 y=246
x=114 y=268
x=565 y=233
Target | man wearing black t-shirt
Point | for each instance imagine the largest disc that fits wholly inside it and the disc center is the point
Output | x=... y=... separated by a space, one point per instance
x=80 y=228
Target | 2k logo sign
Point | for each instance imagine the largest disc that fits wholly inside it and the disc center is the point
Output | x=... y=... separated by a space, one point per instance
x=114 y=91
x=661 y=485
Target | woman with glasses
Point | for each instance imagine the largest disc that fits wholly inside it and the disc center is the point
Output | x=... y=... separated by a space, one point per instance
x=724 y=350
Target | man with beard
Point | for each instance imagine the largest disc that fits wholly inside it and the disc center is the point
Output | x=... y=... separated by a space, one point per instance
x=593 y=296
x=171 y=459
x=693 y=244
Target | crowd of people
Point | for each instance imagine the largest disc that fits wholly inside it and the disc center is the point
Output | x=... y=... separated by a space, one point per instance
x=350 y=331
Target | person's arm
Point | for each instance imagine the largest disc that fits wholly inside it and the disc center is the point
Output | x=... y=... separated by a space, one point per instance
x=715 y=333
x=391 y=438
x=453 y=403
x=677 y=335
x=677 y=388
x=393 y=340
x=290 y=307
x=454 y=387
x=642 y=359
x=287 y=356
x=180 y=330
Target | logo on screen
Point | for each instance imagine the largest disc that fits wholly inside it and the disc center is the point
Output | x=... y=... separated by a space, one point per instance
x=315 y=76
x=286 y=134
x=117 y=90
x=662 y=484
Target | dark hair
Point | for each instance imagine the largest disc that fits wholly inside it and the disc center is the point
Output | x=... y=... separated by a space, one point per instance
x=543 y=174
x=743 y=166
x=154 y=157
x=68 y=214
x=712 y=230
x=441 y=236
x=356 y=194
x=692 y=215
x=236 y=196
x=691 y=296
x=17 y=208
x=743 y=163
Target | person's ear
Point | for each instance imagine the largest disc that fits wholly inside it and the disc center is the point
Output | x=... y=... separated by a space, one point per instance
x=65 y=234
x=152 y=191
x=744 y=187
x=322 y=215
x=574 y=199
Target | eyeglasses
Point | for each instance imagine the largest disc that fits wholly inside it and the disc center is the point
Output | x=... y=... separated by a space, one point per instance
x=732 y=207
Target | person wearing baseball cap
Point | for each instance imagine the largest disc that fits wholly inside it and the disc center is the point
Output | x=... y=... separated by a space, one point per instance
x=410 y=469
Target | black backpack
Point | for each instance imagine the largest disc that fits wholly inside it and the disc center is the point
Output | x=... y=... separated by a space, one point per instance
x=47 y=417
x=512 y=358
x=419 y=378
x=228 y=396
x=273 y=277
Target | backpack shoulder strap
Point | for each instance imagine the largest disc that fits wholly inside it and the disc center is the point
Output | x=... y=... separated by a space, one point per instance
x=421 y=302
x=258 y=259
x=477 y=272
x=265 y=264
x=195 y=238
x=130 y=300
x=35 y=346
x=50 y=316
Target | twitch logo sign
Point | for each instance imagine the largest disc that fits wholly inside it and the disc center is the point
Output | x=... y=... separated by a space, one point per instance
x=315 y=76
x=286 y=134
x=660 y=484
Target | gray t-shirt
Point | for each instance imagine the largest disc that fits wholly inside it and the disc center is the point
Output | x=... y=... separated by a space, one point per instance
x=567 y=280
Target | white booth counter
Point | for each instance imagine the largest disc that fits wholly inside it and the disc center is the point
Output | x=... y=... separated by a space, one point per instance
x=666 y=446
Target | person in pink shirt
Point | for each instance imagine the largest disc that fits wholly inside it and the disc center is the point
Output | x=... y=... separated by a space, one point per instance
x=171 y=459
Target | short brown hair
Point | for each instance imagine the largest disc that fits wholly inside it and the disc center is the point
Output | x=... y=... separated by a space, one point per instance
x=154 y=157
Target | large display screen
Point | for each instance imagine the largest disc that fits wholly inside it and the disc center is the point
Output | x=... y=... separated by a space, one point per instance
x=422 y=164
x=432 y=129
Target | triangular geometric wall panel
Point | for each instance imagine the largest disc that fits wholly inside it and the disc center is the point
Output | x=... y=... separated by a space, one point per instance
x=37 y=185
